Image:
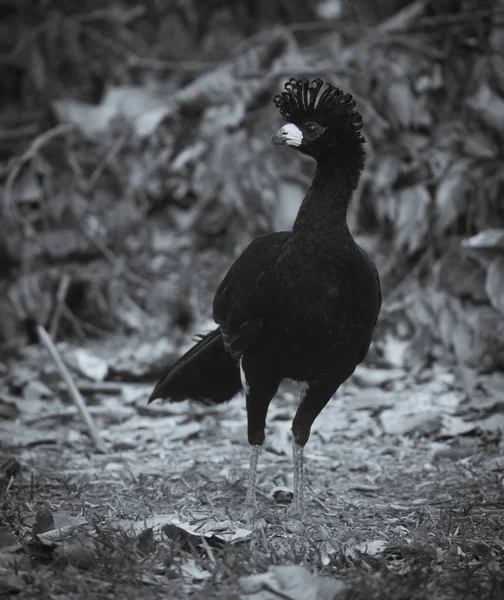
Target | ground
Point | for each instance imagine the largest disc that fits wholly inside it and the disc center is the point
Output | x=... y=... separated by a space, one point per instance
x=405 y=497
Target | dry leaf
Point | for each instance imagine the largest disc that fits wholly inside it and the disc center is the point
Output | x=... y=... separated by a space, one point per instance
x=450 y=197
x=462 y=276
x=401 y=103
x=373 y=398
x=44 y=521
x=79 y=551
x=453 y=453
x=412 y=223
x=424 y=423
x=455 y=426
x=293 y=582
x=368 y=376
x=495 y=283
x=143 y=108
x=90 y=365
x=11 y=576
x=13 y=434
x=62 y=525
x=279 y=439
x=9 y=407
x=34 y=391
x=214 y=532
x=394 y=350
x=486 y=245
x=371 y=548
x=479 y=144
x=192 y=572
x=364 y=487
x=488 y=105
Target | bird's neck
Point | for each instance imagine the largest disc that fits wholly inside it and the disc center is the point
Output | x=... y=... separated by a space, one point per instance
x=325 y=205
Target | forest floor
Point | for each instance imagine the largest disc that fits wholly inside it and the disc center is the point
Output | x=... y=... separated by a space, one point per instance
x=405 y=496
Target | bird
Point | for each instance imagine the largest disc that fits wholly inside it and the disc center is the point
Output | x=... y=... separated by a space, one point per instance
x=299 y=304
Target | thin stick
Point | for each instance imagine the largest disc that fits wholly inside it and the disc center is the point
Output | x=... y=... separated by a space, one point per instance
x=98 y=387
x=19 y=162
x=64 y=284
x=75 y=395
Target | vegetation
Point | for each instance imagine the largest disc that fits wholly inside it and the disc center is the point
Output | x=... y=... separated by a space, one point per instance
x=134 y=162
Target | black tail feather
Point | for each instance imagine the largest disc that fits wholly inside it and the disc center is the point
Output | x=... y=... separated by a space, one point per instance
x=206 y=373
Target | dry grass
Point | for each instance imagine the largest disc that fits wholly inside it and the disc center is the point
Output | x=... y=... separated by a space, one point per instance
x=441 y=522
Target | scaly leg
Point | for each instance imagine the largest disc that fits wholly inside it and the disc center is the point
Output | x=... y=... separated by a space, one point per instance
x=259 y=393
x=316 y=396
x=298 y=462
x=250 y=499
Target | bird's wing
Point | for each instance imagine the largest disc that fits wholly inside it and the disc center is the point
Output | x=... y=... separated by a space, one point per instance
x=246 y=292
x=377 y=296
x=347 y=311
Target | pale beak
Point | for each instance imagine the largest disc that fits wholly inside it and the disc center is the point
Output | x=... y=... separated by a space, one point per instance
x=278 y=137
x=289 y=134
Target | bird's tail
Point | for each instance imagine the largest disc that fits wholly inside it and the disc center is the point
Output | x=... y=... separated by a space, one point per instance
x=206 y=373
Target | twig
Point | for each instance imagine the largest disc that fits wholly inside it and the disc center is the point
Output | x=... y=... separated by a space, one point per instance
x=410 y=276
x=85 y=326
x=74 y=322
x=75 y=395
x=63 y=286
x=404 y=18
x=69 y=412
x=162 y=65
x=454 y=19
x=276 y=593
x=330 y=26
x=98 y=387
x=115 y=261
x=31 y=35
x=305 y=69
x=109 y=156
x=208 y=550
x=110 y=14
x=149 y=63
x=398 y=22
x=35 y=147
x=18 y=132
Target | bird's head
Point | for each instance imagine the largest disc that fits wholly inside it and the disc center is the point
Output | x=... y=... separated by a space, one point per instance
x=324 y=125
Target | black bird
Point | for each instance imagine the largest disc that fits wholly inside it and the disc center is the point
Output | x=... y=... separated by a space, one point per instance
x=298 y=304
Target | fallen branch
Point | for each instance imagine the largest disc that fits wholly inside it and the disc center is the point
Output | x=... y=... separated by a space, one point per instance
x=64 y=284
x=75 y=395
x=98 y=387
x=30 y=153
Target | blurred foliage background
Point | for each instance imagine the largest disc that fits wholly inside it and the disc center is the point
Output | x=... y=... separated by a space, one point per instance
x=135 y=160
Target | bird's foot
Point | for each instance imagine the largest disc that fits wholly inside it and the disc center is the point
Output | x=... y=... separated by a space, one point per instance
x=248 y=513
x=294 y=520
x=296 y=513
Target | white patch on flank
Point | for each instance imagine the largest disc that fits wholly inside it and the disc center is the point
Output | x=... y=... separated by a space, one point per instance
x=245 y=385
x=292 y=134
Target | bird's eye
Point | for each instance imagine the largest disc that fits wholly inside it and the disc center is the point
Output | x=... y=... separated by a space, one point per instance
x=311 y=127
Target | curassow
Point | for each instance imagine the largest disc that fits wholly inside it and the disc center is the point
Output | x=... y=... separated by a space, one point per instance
x=298 y=304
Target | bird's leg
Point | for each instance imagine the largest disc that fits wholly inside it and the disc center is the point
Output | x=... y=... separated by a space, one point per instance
x=298 y=460
x=250 y=499
x=316 y=396
x=259 y=393
x=257 y=407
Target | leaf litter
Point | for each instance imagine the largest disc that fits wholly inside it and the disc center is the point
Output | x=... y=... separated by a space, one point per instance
x=406 y=448
x=391 y=453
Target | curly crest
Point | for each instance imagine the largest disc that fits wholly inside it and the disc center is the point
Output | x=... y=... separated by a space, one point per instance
x=301 y=98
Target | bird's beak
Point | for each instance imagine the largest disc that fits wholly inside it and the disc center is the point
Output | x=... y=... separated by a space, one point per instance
x=278 y=137
x=289 y=135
